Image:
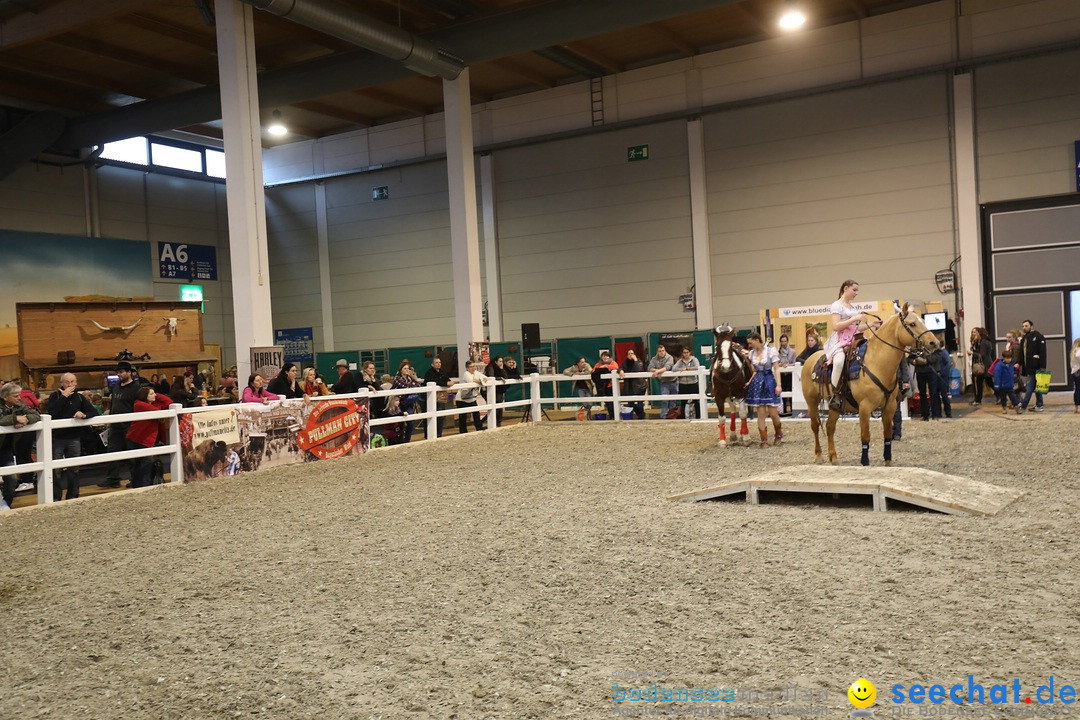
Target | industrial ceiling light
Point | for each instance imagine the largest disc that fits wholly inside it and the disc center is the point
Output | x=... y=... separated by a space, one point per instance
x=793 y=18
x=277 y=127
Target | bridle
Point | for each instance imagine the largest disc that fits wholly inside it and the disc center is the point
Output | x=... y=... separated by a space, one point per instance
x=733 y=356
x=919 y=345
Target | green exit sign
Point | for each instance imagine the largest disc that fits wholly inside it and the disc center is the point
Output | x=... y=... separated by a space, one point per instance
x=637 y=152
x=192 y=293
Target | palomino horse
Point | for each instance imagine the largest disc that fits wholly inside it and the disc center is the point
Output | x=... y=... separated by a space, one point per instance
x=874 y=388
x=730 y=374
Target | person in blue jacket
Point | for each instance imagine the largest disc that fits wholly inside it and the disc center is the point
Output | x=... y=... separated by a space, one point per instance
x=944 y=379
x=1004 y=378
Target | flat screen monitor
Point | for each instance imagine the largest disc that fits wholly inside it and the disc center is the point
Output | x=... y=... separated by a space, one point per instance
x=934 y=321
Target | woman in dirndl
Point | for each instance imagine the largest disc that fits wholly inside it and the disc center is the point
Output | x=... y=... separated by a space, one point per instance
x=763 y=390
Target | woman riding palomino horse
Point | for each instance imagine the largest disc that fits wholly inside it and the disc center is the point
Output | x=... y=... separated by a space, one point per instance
x=730 y=375
x=876 y=385
x=846 y=321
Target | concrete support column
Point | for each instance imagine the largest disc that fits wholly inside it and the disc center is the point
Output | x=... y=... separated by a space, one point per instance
x=699 y=224
x=327 y=298
x=464 y=240
x=491 y=249
x=244 y=189
x=967 y=206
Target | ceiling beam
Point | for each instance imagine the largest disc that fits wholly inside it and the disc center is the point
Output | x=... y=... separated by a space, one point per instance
x=131 y=57
x=571 y=61
x=294 y=30
x=49 y=95
x=534 y=27
x=858 y=8
x=768 y=29
x=204 y=131
x=424 y=12
x=206 y=41
x=673 y=38
x=321 y=108
x=37 y=68
x=524 y=71
x=393 y=99
x=594 y=56
x=61 y=18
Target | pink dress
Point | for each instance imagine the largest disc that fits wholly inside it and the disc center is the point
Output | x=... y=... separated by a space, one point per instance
x=840 y=339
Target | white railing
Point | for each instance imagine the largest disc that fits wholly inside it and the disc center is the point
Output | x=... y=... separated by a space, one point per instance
x=47 y=466
x=534 y=402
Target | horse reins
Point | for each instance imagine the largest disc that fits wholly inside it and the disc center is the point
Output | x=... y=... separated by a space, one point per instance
x=918 y=344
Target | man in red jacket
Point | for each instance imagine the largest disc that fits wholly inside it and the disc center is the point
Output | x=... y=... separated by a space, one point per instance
x=606 y=365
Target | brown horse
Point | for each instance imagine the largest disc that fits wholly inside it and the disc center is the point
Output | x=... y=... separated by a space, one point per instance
x=876 y=385
x=730 y=374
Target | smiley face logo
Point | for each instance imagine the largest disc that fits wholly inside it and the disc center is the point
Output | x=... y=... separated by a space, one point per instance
x=862 y=693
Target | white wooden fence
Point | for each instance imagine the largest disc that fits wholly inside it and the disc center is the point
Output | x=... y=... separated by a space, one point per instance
x=534 y=402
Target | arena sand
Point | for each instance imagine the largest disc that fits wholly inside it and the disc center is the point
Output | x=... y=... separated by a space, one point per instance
x=515 y=574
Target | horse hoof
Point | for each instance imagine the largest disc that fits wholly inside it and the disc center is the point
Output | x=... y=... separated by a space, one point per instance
x=888 y=463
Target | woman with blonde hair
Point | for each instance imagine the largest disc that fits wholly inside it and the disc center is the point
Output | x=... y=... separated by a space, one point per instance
x=313 y=385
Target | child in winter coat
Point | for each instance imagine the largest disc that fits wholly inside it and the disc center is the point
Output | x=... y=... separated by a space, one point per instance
x=1003 y=382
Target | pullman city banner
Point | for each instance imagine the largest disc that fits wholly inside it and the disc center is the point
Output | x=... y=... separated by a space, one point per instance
x=249 y=436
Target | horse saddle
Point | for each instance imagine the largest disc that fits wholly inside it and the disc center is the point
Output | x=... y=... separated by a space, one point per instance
x=853 y=362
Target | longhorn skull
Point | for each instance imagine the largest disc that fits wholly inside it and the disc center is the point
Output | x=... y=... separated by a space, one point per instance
x=170 y=325
x=117 y=328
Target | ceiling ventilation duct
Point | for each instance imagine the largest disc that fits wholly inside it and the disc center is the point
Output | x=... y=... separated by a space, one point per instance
x=346 y=24
x=536 y=26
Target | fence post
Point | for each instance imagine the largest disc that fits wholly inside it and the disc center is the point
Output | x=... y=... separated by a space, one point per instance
x=703 y=397
x=535 y=395
x=616 y=393
x=44 y=455
x=489 y=397
x=176 y=459
x=432 y=406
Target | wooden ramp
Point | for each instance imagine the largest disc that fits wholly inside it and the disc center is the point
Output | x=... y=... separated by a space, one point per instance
x=932 y=490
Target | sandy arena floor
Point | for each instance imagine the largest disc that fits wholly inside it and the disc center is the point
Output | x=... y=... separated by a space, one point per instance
x=514 y=574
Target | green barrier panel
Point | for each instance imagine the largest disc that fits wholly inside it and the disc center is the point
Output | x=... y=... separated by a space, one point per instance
x=420 y=355
x=654 y=342
x=324 y=363
x=570 y=349
x=502 y=349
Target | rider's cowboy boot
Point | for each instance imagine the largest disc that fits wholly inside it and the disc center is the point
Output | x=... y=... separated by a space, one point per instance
x=836 y=402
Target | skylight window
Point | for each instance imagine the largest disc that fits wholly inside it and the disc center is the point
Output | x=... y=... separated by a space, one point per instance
x=133 y=150
x=176 y=157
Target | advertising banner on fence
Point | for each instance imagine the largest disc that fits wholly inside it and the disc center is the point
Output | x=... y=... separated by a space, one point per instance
x=267 y=361
x=250 y=437
x=824 y=309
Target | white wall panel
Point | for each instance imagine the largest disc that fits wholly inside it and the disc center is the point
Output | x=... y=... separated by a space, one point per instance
x=591 y=243
x=292 y=241
x=40 y=198
x=998 y=26
x=920 y=36
x=806 y=193
x=1026 y=119
x=390 y=259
